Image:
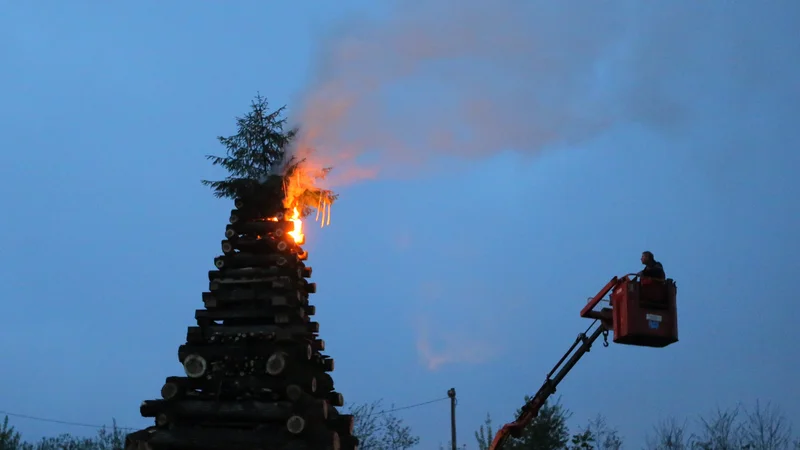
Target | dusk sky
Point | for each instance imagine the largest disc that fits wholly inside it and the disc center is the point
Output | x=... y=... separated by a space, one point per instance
x=498 y=162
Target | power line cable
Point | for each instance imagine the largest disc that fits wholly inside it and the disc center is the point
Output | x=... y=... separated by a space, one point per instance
x=62 y=422
x=88 y=425
x=412 y=406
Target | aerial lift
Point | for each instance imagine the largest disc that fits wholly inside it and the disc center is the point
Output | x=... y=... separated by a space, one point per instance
x=641 y=311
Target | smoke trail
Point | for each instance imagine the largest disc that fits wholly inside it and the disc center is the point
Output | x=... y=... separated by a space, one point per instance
x=471 y=78
x=467 y=78
x=452 y=347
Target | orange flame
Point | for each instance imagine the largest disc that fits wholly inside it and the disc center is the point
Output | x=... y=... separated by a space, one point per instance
x=297 y=233
x=297 y=185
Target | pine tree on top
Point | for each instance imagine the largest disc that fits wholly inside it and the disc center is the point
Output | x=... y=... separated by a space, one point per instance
x=256 y=154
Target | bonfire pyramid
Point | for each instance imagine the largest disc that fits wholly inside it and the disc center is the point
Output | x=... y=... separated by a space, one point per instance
x=255 y=375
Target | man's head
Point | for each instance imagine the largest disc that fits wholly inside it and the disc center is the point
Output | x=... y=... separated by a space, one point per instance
x=647 y=258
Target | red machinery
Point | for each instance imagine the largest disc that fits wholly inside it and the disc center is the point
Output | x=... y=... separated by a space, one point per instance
x=640 y=312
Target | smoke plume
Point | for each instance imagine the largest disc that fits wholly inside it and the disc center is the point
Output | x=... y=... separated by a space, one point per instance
x=438 y=79
x=472 y=78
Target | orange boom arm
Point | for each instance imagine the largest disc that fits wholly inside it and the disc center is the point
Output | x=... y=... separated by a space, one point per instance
x=531 y=409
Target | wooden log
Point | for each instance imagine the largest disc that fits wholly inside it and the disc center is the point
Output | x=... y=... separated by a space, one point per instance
x=306 y=330
x=328 y=364
x=261 y=245
x=344 y=424
x=232 y=293
x=296 y=424
x=254 y=214
x=301 y=351
x=163 y=420
x=232 y=411
x=335 y=399
x=236 y=292
x=256 y=299
x=252 y=273
x=253 y=384
x=280 y=364
x=225 y=439
x=324 y=383
x=211 y=333
x=271 y=316
x=195 y=366
x=263 y=285
x=277 y=363
x=330 y=438
x=311 y=288
x=303 y=397
x=295 y=393
x=171 y=390
x=318 y=345
x=348 y=442
x=277 y=229
x=306 y=272
x=241 y=260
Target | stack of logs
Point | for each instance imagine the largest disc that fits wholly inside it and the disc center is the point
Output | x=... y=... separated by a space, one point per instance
x=255 y=377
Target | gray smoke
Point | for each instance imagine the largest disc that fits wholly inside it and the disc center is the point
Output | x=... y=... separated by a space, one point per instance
x=471 y=78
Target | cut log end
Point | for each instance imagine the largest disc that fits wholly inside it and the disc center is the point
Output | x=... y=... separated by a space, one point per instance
x=295 y=424
x=294 y=392
x=169 y=390
x=162 y=420
x=336 y=399
x=194 y=366
x=276 y=363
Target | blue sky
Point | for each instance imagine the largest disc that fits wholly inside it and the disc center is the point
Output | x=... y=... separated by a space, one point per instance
x=679 y=137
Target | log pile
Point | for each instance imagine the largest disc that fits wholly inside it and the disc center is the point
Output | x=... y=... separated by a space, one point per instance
x=256 y=377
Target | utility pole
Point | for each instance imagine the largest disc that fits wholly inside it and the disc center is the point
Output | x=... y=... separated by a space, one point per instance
x=452 y=394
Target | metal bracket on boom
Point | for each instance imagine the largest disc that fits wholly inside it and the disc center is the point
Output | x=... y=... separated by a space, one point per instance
x=530 y=410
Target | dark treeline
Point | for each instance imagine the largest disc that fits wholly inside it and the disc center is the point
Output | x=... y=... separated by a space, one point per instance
x=761 y=427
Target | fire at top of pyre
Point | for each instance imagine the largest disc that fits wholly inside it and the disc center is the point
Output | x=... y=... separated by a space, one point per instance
x=258 y=161
x=302 y=196
x=300 y=199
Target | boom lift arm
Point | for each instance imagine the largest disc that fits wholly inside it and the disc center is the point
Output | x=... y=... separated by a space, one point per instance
x=531 y=409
